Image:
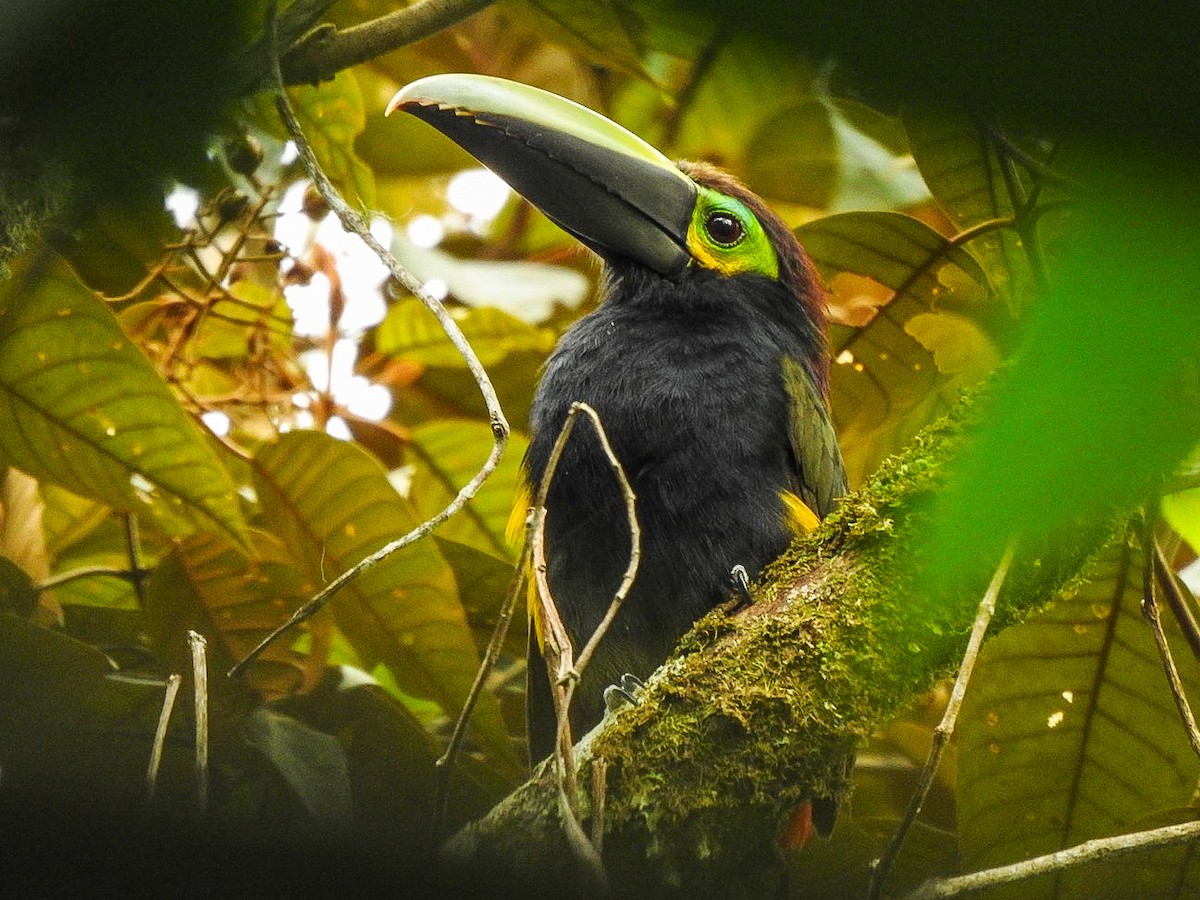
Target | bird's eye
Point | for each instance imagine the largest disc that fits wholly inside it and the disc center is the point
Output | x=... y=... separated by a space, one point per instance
x=724 y=229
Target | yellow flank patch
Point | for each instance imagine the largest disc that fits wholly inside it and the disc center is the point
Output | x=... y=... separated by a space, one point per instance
x=514 y=533
x=800 y=519
x=514 y=529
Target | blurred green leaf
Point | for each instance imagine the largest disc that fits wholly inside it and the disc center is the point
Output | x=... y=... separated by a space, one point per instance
x=247 y=308
x=1101 y=404
x=1182 y=508
x=446 y=454
x=332 y=505
x=957 y=156
x=1069 y=731
x=836 y=155
x=332 y=116
x=526 y=290
x=312 y=763
x=1168 y=873
x=81 y=406
x=17 y=592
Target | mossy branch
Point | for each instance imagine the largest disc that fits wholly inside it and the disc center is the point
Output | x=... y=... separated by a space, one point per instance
x=762 y=711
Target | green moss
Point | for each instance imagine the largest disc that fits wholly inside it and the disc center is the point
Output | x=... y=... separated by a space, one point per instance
x=763 y=710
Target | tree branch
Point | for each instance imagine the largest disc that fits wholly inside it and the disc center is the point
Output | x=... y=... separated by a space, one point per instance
x=326 y=51
x=760 y=712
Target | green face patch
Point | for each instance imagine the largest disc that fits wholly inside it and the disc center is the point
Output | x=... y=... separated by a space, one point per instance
x=726 y=237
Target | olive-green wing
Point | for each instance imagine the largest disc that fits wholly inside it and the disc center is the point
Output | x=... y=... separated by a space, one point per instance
x=820 y=474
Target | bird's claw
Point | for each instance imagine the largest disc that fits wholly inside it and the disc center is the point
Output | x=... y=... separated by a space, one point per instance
x=624 y=694
x=741 y=583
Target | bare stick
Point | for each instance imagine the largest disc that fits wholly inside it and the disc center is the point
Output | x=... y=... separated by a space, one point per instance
x=1081 y=854
x=160 y=735
x=635 y=542
x=1175 y=593
x=557 y=650
x=352 y=221
x=133 y=548
x=1150 y=613
x=945 y=728
x=599 y=795
x=200 y=679
x=445 y=763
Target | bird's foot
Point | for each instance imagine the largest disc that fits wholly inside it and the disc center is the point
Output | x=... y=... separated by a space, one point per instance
x=617 y=696
x=741 y=585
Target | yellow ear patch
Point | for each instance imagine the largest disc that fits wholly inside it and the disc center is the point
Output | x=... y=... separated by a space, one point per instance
x=799 y=518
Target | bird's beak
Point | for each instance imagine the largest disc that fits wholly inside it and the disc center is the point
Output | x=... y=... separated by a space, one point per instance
x=598 y=181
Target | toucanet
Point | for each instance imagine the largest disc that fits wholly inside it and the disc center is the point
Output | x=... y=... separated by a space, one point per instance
x=708 y=364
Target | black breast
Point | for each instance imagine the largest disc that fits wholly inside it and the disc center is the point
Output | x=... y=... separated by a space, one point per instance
x=687 y=379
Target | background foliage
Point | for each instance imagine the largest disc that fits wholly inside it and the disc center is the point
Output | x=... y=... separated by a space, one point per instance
x=176 y=376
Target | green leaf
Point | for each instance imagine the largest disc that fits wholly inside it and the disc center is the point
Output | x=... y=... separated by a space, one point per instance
x=210 y=586
x=1182 y=508
x=888 y=271
x=447 y=453
x=17 y=592
x=834 y=154
x=81 y=406
x=606 y=32
x=246 y=308
x=1097 y=410
x=311 y=762
x=1069 y=731
x=960 y=164
x=1168 y=873
x=332 y=116
x=332 y=505
x=526 y=290
x=409 y=330
x=898 y=251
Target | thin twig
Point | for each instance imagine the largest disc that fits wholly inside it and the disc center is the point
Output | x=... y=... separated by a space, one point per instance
x=1150 y=613
x=58 y=580
x=941 y=734
x=557 y=650
x=200 y=682
x=635 y=543
x=160 y=735
x=1080 y=854
x=133 y=549
x=353 y=222
x=599 y=796
x=1177 y=600
x=445 y=764
x=583 y=849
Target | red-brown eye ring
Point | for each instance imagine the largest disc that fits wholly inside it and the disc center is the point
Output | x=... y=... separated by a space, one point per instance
x=724 y=229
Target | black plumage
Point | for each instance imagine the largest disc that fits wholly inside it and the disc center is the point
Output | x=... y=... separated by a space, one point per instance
x=712 y=391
